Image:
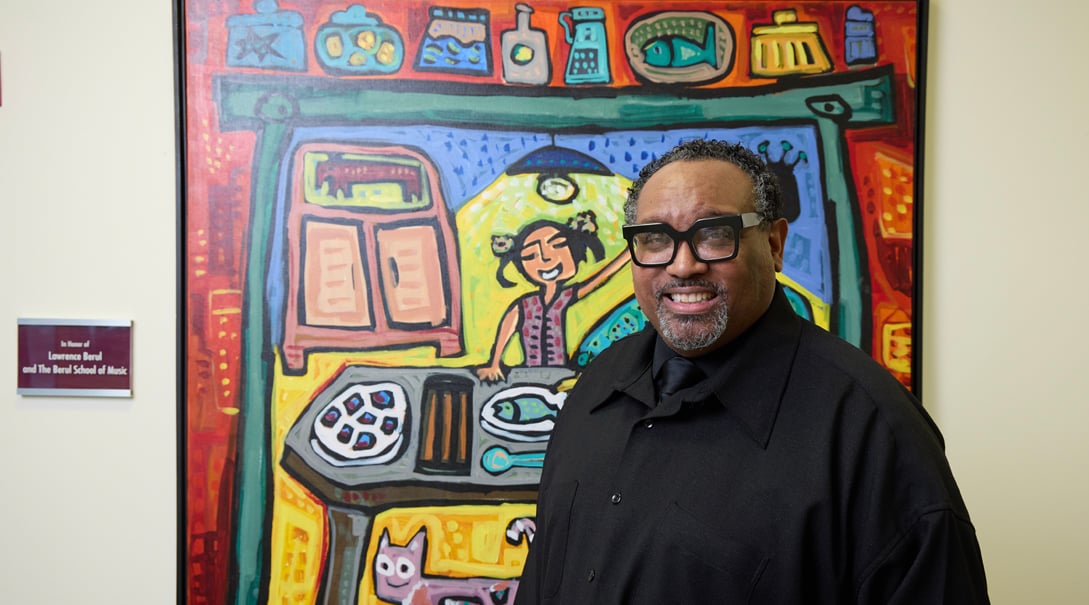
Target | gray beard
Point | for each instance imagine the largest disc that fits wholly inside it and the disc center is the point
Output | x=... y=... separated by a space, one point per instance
x=692 y=333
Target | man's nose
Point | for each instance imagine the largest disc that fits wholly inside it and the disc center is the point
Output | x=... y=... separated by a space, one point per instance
x=685 y=262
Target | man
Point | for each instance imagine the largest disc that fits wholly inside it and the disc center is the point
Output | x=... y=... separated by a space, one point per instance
x=791 y=469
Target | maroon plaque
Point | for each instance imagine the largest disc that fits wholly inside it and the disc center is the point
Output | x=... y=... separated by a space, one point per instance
x=85 y=358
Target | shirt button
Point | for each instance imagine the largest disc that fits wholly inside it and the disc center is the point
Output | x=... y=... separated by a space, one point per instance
x=615 y=498
x=590 y=576
x=649 y=424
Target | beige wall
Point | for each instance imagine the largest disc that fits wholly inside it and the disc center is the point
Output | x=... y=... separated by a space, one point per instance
x=87 y=173
x=88 y=496
x=1004 y=283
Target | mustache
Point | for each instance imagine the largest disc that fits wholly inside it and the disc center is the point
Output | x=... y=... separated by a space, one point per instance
x=690 y=283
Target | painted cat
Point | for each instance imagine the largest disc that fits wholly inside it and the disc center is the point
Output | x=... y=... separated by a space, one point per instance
x=398 y=578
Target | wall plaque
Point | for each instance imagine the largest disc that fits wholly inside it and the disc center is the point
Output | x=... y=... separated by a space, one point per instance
x=86 y=358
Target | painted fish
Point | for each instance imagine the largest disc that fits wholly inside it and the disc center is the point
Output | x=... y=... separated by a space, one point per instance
x=524 y=413
x=677 y=51
x=523 y=410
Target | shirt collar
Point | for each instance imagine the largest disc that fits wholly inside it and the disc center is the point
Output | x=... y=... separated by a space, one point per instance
x=748 y=376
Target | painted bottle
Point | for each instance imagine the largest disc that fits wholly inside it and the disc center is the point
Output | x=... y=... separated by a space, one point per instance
x=525 y=51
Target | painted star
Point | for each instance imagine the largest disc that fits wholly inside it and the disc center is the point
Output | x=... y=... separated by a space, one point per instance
x=261 y=46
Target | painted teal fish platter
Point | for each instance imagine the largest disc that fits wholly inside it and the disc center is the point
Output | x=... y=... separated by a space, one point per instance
x=680 y=47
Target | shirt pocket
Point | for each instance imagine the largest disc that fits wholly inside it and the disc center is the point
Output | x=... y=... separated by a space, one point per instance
x=556 y=500
x=708 y=566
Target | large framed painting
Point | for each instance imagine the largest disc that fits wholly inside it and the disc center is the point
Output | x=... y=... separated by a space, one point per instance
x=370 y=376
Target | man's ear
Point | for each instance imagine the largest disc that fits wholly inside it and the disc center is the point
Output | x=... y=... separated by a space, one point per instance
x=777 y=234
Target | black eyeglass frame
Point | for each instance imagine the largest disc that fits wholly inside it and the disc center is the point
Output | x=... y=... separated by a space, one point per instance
x=739 y=222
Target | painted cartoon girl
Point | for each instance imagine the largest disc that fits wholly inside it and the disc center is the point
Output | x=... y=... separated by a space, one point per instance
x=548 y=254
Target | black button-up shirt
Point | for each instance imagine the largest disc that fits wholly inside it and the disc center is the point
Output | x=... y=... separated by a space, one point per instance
x=798 y=472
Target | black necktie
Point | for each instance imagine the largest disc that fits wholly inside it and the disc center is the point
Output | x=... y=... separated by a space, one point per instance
x=677 y=373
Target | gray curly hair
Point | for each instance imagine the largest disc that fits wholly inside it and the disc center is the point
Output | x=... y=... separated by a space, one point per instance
x=767 y=196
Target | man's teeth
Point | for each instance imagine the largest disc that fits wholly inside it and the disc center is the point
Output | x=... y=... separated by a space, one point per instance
x=690 y=297
x=550 y=274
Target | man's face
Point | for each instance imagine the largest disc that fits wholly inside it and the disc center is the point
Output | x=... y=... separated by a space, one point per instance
x=697 y=307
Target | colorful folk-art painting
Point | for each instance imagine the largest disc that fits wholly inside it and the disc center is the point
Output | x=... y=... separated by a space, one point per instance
x=402 y=245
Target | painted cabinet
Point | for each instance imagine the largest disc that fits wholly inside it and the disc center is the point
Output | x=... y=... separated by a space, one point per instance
x=372 y=261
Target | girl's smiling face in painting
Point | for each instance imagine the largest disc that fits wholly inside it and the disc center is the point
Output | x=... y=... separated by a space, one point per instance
x=546 y=256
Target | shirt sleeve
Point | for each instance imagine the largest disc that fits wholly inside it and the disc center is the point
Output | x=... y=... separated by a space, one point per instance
x=937 y=560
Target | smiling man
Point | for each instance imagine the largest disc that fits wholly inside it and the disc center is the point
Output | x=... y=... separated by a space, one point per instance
x=733 y=452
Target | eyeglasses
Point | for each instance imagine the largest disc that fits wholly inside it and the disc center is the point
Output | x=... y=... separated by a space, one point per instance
x=710 y=239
